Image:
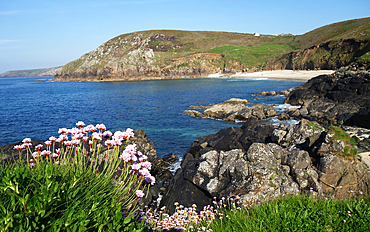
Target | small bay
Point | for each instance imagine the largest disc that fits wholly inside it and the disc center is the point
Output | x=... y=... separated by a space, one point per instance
x=37 y=109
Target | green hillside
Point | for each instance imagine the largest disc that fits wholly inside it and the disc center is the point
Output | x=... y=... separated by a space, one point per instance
x=353 y=29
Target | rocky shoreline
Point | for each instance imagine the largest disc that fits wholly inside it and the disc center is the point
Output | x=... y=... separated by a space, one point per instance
x=339 y=98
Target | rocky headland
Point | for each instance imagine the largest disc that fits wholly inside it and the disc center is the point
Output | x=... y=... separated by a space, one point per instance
x=340 y=98
x=47 y=72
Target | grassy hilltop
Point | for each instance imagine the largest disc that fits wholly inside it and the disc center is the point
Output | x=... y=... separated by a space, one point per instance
x=175 y=53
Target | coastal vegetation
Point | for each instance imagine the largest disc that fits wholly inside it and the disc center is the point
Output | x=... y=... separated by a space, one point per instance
x=86 y=184
x=300 y=212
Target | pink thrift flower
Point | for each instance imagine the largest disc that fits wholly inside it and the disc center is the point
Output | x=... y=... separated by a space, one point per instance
x=75 y=142
x=62 y=130
x=90 y=128
x=136 y=166
x=139 y=194
x=130 y=133
x=108 y=143
x=126 y=157
x=54 y=155
x=74 y=131
x=38 y=147
x=133 y=158
x=18 y=147
x=107 y=134
x=144 y=172
x=85 y=138
x=48 y=143
x=45 y=153
x=101 y=127
x=142 y=158
x=53 y=139
x=63 y=137
x=99 y=146
x=150 y=179
x=131 y=148
x=79 y=136
x=35 y=155
x=96 y=136
x=58 y=151
x=116 y=142
x=26 y=140
x=68 y=143
x=27 y=145
x=146 y=165
x=80 y=124
x=119 y=135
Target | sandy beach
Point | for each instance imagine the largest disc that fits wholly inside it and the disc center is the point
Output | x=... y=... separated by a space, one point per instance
x=282 y=74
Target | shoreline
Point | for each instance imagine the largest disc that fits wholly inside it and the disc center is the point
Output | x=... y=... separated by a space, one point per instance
x=300 y=75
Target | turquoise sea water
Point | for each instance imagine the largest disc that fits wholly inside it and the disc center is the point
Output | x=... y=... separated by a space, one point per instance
x=37 y=109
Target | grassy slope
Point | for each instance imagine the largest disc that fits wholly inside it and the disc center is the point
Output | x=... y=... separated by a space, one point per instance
x=352 y=29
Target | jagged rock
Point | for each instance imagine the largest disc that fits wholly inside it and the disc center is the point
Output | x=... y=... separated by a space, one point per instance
x=193 y=113
x=283 y=116
x=340 y=98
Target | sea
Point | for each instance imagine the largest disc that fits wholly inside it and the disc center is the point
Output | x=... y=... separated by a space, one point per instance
x=37 y=109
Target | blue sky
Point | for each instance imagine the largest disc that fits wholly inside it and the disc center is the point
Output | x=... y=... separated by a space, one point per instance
x=41 y=34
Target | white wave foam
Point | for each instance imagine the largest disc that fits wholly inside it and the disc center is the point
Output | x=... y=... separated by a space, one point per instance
x=286 y=107
x=275 y=121
x=249 y=79
x=173 y=167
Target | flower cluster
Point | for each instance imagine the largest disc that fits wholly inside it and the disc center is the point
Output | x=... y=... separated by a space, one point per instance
x=187 y=219
x=85 y=143
x=140 y=165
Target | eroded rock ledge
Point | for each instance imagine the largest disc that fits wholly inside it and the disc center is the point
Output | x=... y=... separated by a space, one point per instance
x=235 y=109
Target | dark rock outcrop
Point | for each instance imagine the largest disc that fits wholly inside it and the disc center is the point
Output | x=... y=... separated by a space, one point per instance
x=263 y=162
x=340 y=98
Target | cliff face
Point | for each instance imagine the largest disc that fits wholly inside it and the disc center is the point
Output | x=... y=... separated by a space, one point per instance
x=329 y=55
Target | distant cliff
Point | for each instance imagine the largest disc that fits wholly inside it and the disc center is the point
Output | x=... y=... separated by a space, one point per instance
x=32 y=73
